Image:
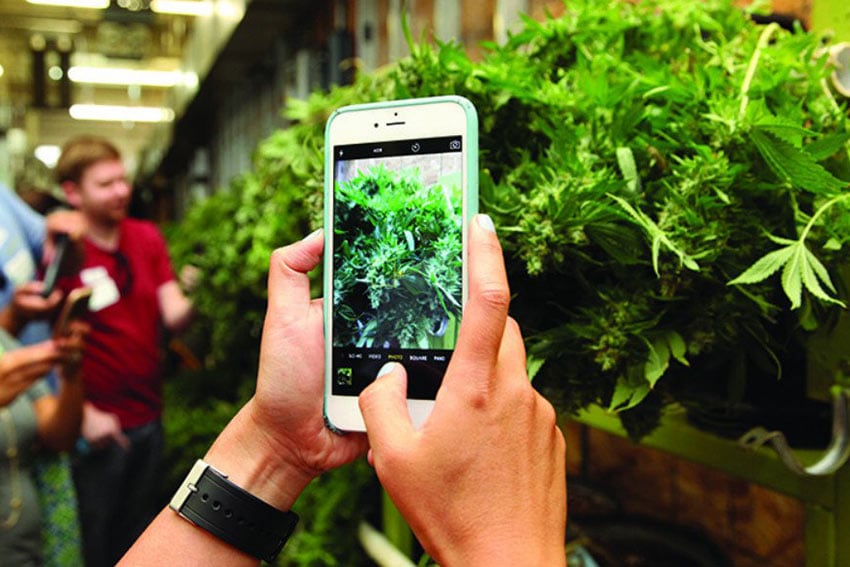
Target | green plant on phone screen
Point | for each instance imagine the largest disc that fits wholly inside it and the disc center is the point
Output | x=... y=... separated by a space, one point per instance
x=397 y=262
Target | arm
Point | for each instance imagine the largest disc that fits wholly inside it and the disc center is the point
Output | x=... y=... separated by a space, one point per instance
x=59 y=417
x=31 y=223
x=174 y=307
x=278 y=442
x=483 y=482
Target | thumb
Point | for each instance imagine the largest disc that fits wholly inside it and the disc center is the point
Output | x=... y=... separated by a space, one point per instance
x=384 y=407
x=121 y=440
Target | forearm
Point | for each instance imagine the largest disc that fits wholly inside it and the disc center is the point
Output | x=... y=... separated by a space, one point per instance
x=10 y=321
x=61 y=425
x=175 y=307
x=181 y=316
x=240 y=453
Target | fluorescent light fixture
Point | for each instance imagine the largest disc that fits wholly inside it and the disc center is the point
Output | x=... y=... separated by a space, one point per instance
x=94 y=4
x=183 y=7
x=2 y=70
x=109 y=113
x=48 y=154
x=124 y=76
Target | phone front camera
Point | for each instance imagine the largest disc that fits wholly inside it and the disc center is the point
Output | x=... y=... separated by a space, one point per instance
x=376 y=124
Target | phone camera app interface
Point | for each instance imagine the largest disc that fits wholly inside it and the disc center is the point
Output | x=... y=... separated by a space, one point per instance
x=397 y=261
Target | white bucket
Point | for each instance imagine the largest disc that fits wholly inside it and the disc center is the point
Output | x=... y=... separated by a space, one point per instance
x=839 y=57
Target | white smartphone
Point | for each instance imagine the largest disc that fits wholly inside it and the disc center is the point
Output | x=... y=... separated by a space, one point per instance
x=401 y=183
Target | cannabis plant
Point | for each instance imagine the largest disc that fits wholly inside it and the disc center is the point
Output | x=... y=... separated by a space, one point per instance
x=397 y=266
x=669 y=180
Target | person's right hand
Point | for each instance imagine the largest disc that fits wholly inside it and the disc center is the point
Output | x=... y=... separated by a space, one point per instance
x=74 y=224
x=483 y=482
x=101 y=429
x=21 y=367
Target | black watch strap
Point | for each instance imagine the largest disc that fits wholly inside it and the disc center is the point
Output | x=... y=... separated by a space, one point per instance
x=207 y=499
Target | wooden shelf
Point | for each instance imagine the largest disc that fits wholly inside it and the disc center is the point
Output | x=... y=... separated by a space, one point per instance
x=827 y=498
x=677 y=437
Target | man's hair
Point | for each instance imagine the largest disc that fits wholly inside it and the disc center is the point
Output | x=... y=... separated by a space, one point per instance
x=78 y=154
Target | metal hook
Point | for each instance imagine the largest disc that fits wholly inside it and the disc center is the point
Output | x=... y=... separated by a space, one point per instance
x=836 y=454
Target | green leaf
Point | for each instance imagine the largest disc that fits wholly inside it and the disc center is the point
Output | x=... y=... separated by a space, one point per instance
x=657 y=235
x=626 y=161
x=658 y=361
x=765 y=267
x=627 y=395
x=656 y=250
x=833 y=244
x=678 y=348
x=792 y=165
x=533 y=364
x=813 y=274
x=792 y=279
x=827 y=146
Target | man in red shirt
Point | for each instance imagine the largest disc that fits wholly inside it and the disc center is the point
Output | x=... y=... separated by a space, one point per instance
x=135 y=294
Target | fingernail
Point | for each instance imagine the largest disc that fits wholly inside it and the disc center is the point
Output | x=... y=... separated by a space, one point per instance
x=485 y=222
x=386 y=369
x=314 y=233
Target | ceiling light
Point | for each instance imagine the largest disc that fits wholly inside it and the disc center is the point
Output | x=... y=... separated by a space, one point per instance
x=94 y=4
x=47 y=154
x=109 y=113
x=2 y=70
x=124 y=76
x=183 y=7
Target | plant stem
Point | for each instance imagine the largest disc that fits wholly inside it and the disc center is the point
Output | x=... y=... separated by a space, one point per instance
x=764 y=38
x=820 y=211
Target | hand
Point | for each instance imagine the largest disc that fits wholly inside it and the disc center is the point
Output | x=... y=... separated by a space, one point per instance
x=101 y=429
x=21 y=367
x=483 y=482
x=72 y=223
x=71 y=347
x=28 y=304
x=189 y=277
x=281 y=429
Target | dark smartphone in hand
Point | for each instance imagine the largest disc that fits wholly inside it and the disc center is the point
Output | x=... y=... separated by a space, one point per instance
x=52 y=273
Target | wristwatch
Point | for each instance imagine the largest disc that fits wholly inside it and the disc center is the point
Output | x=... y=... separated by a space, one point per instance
x=210 y=501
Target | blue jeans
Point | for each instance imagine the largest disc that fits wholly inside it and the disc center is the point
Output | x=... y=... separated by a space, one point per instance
x=118 y=493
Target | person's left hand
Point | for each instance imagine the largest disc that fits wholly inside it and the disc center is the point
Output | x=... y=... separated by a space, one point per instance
x=28 y=304
x=290 y=382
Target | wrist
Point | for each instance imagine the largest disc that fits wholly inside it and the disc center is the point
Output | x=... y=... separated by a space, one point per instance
x=254 y=464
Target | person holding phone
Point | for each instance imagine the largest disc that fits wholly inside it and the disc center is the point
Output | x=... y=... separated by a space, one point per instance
x=482 y=482
x=28 y=243
x=33 y=420
x=134 y=295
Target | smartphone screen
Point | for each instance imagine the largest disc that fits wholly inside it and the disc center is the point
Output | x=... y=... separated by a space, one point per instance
x=397 y=260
